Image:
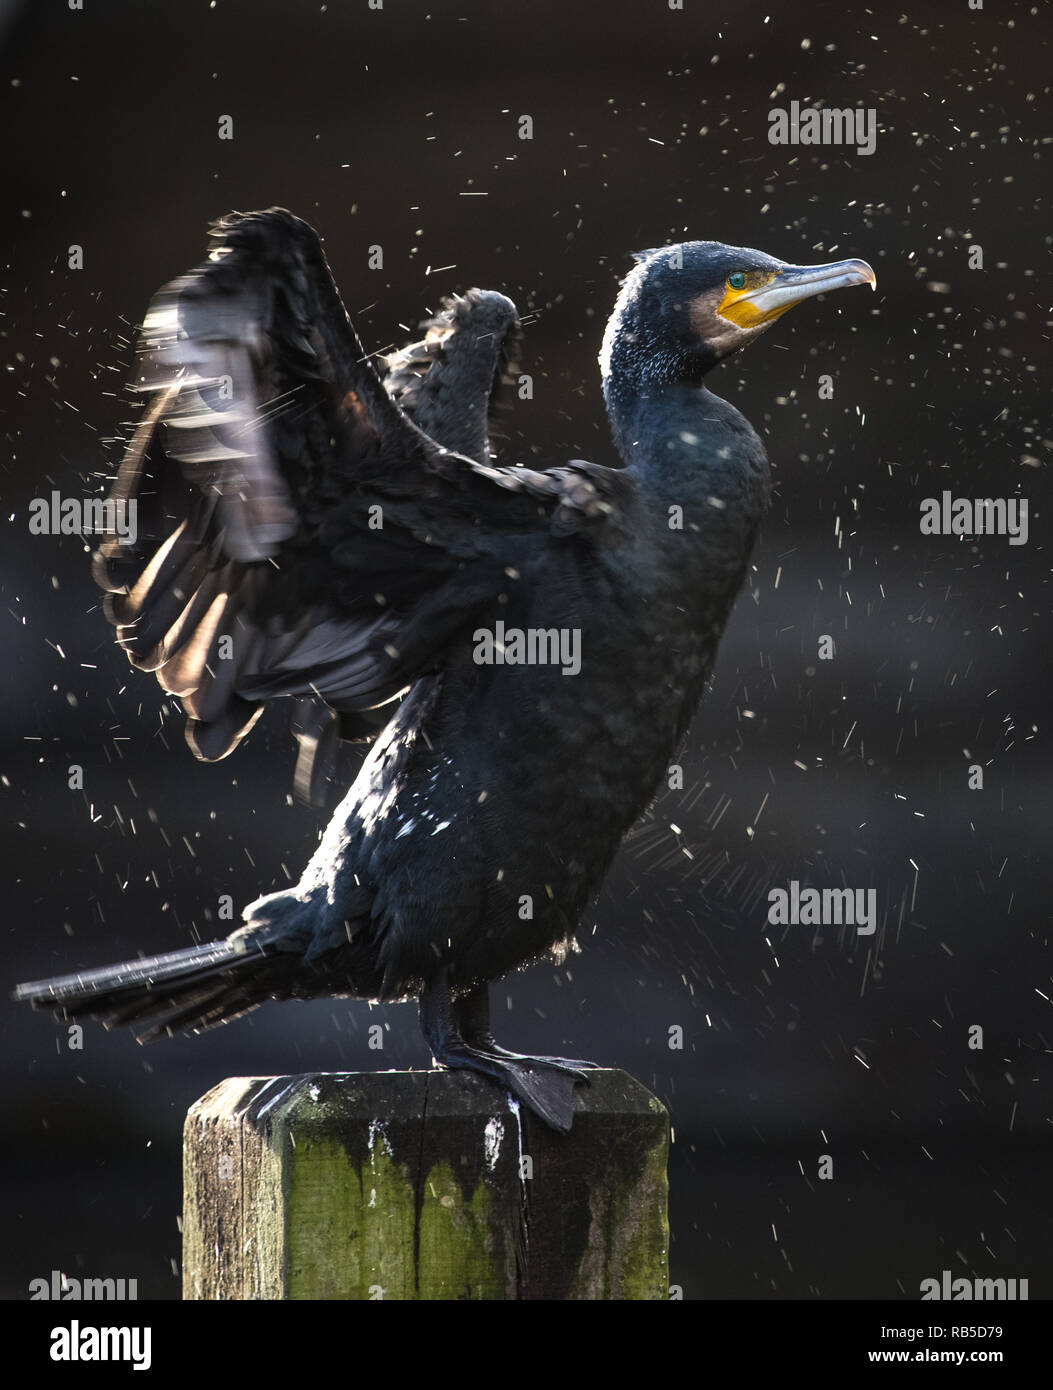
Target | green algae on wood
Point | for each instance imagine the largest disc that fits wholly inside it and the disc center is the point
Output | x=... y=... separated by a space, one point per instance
x=422 y=1185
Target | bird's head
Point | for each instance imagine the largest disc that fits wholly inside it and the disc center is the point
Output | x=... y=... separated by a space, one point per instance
x=683 y=308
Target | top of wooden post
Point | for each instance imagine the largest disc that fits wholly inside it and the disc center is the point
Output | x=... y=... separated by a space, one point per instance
x=422 y=1184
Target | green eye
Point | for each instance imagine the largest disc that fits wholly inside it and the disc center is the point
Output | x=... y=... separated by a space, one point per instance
x=736 y=281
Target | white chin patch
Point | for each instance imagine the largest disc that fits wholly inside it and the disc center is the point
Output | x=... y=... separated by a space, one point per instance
x=728 y=336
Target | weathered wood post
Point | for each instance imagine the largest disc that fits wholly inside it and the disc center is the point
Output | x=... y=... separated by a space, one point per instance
x=422 y=1185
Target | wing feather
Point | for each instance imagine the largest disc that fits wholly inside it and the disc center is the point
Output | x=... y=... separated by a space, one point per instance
x=297 y=533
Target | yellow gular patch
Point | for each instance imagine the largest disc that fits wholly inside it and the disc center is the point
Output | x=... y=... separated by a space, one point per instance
x=737 y=307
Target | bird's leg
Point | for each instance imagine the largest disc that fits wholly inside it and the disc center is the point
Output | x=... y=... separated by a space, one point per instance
x=544 y=1086
x=472 y=1012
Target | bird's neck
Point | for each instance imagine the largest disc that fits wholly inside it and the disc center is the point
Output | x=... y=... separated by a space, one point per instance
x=666 y=425
x=692 y=454
x=643 y=374
x=681 y=440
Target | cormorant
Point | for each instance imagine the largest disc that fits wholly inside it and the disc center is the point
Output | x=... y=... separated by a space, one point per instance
x=549 y=631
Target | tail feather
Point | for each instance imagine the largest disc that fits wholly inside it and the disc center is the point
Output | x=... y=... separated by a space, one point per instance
x=189 y=990
x=149 y=970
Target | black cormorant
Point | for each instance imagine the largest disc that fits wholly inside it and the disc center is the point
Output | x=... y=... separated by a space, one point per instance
x=304 y=531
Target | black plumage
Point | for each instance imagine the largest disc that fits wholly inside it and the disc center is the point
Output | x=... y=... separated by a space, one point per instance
x=450 y=384
x=300 y=535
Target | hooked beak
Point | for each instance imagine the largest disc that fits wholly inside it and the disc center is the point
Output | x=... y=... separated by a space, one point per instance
x=753 y=306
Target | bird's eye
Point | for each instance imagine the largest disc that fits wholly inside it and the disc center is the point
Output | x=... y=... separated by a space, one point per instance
x=736 y=281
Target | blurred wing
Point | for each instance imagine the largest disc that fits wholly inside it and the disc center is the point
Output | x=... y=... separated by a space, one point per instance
x=296 y=534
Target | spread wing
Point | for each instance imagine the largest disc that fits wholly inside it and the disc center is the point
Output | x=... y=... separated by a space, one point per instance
x=450 y=385
x=296 y=533
x=449 y=382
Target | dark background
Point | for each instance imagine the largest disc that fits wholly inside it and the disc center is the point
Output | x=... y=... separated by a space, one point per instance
x=649 y=125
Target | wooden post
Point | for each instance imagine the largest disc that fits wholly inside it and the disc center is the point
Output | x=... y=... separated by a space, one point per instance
x=422 y=1185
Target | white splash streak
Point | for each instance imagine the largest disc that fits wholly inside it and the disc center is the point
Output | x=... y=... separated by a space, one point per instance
x=376 y=1128
x=492 y=1136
